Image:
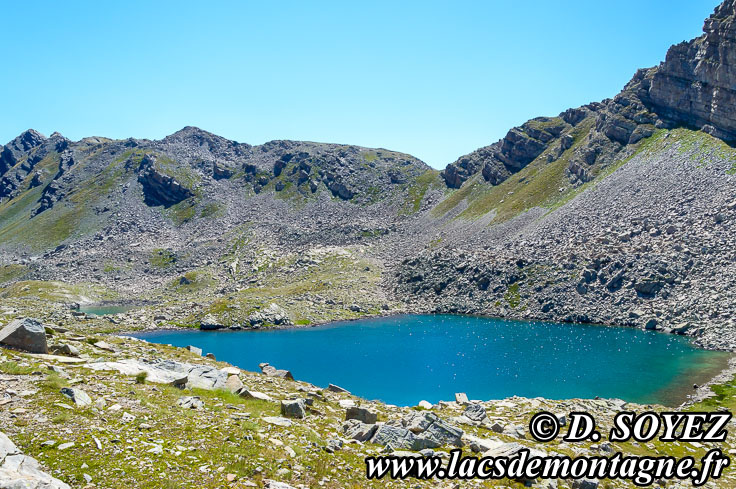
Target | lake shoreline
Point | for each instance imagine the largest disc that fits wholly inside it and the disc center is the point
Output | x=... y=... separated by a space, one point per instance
x=627 y=344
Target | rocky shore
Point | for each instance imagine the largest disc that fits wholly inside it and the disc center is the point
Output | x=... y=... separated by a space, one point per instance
x=121 y=412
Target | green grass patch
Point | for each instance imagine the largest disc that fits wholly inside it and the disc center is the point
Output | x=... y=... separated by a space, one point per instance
x=182 y=212
x=212 y=210
x=13 y=368
x=417 y=191
x=12 y=272
x=161 y=258
x=512 y=296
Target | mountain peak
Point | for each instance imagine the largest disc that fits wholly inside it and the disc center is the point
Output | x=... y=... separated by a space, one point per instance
x=27 y=140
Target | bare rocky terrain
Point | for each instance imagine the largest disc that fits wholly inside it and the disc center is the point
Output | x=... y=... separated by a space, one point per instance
x=618 y=212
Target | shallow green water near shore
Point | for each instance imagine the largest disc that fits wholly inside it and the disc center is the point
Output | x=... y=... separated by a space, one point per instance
x=103 y=310
x=404 y=359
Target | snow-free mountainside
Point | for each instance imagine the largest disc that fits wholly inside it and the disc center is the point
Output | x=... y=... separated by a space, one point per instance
x=619 y=212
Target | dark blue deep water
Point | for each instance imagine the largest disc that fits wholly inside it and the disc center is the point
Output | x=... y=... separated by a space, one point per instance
x=404 y=359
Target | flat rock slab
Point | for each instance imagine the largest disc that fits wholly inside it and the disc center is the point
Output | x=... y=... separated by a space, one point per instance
x=278 y=421
x=249 y=394
x=21 y=471
x=59 y=358
x=168 y=372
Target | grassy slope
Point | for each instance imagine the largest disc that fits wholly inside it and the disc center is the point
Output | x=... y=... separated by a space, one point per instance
x=543 y=184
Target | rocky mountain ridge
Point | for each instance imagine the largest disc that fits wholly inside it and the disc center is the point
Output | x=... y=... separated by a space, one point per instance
x=616 y=212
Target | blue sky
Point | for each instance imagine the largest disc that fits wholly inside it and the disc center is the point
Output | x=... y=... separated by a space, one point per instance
x=436 y=79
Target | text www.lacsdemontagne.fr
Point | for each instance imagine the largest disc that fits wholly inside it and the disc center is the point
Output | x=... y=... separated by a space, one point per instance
x=642 y=471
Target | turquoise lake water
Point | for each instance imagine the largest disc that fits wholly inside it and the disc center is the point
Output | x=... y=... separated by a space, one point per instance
x=104 y=310
x=404 y=359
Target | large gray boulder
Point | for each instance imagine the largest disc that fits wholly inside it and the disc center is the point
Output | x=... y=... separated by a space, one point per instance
x=273 y=314
x=361 y=414
x=475 y=412
x=442 y=433
x=18 y=471
x=397 y=438
x=168 y=372
x=293 y=409
x=432 y=431
x=26 y=334
x=357 y=430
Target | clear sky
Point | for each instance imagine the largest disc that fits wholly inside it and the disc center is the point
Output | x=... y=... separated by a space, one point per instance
x=436 y=79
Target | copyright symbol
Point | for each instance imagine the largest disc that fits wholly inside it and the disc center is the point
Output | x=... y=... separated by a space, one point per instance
x=544 y=426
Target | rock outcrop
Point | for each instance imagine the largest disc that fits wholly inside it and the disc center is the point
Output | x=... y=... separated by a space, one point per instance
x=693 y=87
x=696 y=84
x=159 y=188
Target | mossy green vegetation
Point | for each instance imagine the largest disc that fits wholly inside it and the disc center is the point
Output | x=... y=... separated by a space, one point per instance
x=512 y=295
x=56 y=291
x=724 y=398
x=162 y=258
x=182 y=212
x=417 y=190
x=12 y=272
x=539 y=184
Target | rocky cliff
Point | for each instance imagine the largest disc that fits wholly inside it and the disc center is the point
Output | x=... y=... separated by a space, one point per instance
x=694 y=87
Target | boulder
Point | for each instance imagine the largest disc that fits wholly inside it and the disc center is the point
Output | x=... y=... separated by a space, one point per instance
x=168 y=372
x=338 y=389
x=475 y=412
x=397 y=438
x=333 y=445
x=249 y=394
x=25 y=334
x=271 y=484
x=442 y=433
x=432 y=431
x=480 y=445
x=271 y=371
x=278 y=421
x=233 y=383
x=210 y=323
x=361 y=414
x=194 y=349
x=64 y=349
x=358 y=430
x=293 y=409
x=77 y=396
x=585 y=484
x=190 y=402
x=418 y=422
x=461 y=398
x=273 y=314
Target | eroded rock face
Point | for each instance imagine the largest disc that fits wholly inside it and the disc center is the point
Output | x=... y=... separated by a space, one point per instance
x=518 y=148
x=696 y=84
x=158 y=188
